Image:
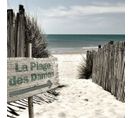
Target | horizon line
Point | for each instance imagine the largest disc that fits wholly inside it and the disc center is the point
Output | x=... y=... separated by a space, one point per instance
x=82 y=34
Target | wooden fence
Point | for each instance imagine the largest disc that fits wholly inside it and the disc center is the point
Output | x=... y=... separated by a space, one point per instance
x=109 y=68
x=16 y=42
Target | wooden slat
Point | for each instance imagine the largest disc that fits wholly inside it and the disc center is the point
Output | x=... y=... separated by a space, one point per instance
x=20 y=44
x=10 y=34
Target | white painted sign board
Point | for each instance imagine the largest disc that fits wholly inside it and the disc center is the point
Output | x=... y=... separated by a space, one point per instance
x=29 y=76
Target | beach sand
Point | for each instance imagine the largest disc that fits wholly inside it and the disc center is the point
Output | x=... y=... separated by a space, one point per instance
x=80 y=98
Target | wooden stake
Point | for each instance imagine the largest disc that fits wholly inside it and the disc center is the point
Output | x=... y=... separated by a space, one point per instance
x=30 y=99
x=30 y=107
x=30 y=50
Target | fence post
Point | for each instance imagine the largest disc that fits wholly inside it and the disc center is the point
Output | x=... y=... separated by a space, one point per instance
x=10 y=34
x=20 y=32
x=30 y=99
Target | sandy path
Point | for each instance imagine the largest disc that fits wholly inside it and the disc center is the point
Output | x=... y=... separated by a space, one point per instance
x=80 y=98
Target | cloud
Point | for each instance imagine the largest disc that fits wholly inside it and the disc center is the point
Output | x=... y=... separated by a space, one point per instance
x=76 y=11
x=102 y=23
x=82 y=19
x=76 y=16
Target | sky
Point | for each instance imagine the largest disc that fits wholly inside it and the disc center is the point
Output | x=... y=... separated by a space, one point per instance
x=75 y=16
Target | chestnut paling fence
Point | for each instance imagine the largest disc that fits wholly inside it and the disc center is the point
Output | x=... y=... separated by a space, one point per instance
x=22 y=29
x=109 y=68
x=16 y=42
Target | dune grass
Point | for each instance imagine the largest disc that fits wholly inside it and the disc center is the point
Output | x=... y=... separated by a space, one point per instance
x=85 y=68
x=34 y=35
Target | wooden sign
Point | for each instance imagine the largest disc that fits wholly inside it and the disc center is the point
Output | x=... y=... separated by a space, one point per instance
x=29 y=76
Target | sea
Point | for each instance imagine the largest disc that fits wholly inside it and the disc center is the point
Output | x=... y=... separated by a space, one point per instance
x=75 y=43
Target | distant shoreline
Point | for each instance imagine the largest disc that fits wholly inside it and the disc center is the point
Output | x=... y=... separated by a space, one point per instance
x=72 y=50
x=83 y=34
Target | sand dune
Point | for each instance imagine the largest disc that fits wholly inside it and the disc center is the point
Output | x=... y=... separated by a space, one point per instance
x=80 y=98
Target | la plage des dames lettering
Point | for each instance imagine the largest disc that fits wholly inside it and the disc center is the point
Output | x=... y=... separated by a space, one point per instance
x=45 y=71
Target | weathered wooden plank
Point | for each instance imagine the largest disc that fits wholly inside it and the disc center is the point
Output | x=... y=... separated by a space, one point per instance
x=110 y=66
x=99 y=64
x=20 y=33
x=10 y=33
x=94 y=67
